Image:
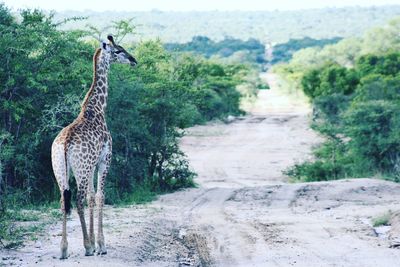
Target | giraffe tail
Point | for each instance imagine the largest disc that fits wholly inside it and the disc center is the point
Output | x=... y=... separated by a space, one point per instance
x=60 y=168
x=67 y=201
x=67 y=192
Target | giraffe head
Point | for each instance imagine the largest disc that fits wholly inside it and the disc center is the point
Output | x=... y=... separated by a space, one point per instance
x=117 y=53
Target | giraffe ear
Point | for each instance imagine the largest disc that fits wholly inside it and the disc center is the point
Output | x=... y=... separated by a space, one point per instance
x=111 y=39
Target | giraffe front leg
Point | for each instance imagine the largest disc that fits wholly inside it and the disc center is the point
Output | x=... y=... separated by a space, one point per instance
x=102 y=173
x=91 y=219
x=100 y=236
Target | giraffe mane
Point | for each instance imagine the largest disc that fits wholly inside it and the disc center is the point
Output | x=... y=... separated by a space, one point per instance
x=83 y=107
x=90 y=92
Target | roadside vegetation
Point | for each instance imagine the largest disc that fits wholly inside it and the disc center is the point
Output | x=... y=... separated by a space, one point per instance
x=354 y=88
x=45 y=75
x=382 y=220
x=20 y=224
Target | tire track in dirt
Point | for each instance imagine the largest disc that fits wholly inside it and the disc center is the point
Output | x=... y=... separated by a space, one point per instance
x=229 y=243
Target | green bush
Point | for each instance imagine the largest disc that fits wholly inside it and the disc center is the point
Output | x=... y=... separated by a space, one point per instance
x=39 y=71
x=386 y=65
x=373 y=128
x=357 y=111
x=311 y=171
x=382 y=220
x=332 y=162
x=46 y=73
x=328 y=80
x=330 y=107
x=378 y=87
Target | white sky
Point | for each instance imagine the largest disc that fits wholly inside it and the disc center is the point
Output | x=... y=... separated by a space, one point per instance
x=186 y=5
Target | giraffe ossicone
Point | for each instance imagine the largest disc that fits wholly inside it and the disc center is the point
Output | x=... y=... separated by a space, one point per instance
x=85 y=146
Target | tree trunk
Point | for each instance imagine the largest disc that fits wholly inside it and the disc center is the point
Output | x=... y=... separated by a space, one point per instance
x=153 y=164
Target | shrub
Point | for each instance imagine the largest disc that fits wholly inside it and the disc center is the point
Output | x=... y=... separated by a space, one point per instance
x=373 y=128
x=328 y=80
x=45 y=76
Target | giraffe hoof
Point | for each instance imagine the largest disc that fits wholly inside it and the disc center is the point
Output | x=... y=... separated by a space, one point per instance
x=64 y=255
x=102 y=252
x=89 y=254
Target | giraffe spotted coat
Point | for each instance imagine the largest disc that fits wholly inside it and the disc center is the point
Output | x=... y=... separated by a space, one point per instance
x=85 y=146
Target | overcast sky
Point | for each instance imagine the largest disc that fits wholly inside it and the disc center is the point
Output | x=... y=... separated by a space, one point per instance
x=185 y=5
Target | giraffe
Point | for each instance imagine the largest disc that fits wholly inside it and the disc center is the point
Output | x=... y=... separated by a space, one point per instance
x=85 y=145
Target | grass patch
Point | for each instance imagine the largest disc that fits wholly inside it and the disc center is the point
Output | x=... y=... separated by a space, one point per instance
x=19 y=225
x=148 y=192
x=140 y=196
x=382 y=220
x=25 y=215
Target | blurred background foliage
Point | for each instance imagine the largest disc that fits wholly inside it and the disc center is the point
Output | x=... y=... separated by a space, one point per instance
x=275 y=26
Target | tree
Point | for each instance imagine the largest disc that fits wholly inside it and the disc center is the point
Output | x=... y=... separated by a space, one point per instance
x=330 y=79
x=373 y=127
x=40 y=64
x=46 y=73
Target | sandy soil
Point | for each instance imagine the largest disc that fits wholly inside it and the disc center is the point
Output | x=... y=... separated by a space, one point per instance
x=244 y=212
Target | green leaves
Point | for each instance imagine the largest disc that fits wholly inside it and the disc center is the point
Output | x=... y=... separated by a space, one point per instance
x=328 y=80
x=150 y=105
x=387 y=65
x=354 y=87
x=372 y=127
x=40 y=64
x=45 y=75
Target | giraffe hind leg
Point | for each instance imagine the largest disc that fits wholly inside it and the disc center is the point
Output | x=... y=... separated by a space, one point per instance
x=91 y=199
x=80 y=201
x=66 y=211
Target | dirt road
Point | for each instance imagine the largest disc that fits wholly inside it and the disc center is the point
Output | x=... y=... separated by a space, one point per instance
x=244 y=212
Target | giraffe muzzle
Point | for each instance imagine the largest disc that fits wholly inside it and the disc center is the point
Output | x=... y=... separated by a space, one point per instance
x=133 y=61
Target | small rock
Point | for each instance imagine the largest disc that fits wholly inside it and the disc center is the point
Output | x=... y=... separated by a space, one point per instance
x=182 y=233
x=230 y=118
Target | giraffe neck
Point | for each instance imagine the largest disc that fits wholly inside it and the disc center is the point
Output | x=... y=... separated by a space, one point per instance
x=95 y=101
